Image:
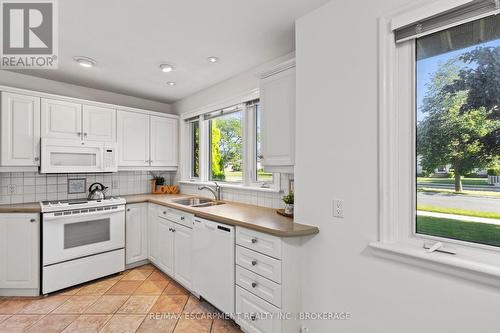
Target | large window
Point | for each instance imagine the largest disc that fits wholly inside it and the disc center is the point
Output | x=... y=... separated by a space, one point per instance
x=194 y=131
x=225 y=146
x=261 y=175
x=458 y=132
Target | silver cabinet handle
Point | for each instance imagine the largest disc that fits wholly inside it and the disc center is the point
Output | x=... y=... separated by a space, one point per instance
x=254 y=262
x=37 y=159
x=128 y=209
x=254 y=284
x=32 y=220
x=79 y=133
x=164 y=212
x=254 y=240
x=85 y=134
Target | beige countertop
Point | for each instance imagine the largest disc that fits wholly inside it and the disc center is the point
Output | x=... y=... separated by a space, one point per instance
x=31 y=207
x=233 y=213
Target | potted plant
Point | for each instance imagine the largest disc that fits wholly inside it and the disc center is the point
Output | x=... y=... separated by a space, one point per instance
x=159 y=181
x=288 y=200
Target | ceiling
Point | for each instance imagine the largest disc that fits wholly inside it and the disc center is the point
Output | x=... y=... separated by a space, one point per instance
x=130 y=39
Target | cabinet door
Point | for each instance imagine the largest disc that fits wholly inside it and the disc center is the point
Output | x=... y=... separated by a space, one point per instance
x=133 y=139
x=61 y=119
x=19 y=251
x=99 y=124
x=153 y=233
x=20 y=118
x=182 y=254
x=165 y=246
x=164 y=141
x=136 y=233
x=277 y=96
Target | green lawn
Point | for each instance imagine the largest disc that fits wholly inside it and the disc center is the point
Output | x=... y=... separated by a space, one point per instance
x=465 y=192
x=458 y=211
x=482 y=233
x=451 y=181
x=237 y=176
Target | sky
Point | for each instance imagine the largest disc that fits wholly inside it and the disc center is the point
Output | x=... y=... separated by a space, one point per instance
x=427 y=67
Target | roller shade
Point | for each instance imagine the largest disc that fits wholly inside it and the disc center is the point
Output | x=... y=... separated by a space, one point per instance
x=466 y=13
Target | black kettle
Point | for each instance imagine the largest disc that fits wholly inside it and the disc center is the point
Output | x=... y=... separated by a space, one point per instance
x=97 y=192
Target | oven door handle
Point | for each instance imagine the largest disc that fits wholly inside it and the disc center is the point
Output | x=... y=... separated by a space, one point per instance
x=51 y=217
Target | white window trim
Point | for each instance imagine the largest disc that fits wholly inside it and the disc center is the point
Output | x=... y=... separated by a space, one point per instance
x=248 y=119
x=397 y=238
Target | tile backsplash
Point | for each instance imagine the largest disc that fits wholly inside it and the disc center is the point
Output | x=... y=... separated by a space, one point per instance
x=247 y=196
x=19 y=187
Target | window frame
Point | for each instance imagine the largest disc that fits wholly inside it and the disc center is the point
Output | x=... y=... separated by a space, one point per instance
x=190 y=125
x=397 y=237
x=249 y=150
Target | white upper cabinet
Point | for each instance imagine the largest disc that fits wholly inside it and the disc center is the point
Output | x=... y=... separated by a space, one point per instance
x=277 y=100
x=99 y=124
x=20 y=130
x=164 y=141
x=61 y=119
x=133 y=138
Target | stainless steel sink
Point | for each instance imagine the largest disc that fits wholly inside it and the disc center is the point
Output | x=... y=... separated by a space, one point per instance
x=197 y=202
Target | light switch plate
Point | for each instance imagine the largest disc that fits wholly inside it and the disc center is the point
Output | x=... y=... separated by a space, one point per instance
x=338 y=208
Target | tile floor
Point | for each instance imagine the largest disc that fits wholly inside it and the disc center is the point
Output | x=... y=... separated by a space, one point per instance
x=141 y=300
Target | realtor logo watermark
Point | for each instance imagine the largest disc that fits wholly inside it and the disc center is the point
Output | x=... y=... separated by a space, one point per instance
x=29 y=34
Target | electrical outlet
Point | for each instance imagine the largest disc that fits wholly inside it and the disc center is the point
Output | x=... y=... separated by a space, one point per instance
x=11 y=188
x=338 y=208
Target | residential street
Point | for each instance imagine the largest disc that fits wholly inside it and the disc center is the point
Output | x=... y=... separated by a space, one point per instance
x=487 y=204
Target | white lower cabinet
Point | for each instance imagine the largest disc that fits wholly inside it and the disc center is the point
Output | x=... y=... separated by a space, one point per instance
x=136 y=233
x=183 y=237
x=19 y=254
x=165 y=246
x=267 y=282
x=170 y=242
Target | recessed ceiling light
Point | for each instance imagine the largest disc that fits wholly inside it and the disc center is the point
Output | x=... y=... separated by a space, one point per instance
x=85 y=61
x=171 y=83
x=166 y=68
x=213 y=59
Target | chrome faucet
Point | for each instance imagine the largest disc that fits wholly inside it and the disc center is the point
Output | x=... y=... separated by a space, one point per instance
x=215 y=191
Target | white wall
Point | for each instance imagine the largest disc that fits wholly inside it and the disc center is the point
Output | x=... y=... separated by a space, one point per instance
x=236 y=86
x=18 y=80
x=337 y=137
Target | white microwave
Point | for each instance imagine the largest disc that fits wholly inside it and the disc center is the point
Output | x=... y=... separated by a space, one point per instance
x=75 y=156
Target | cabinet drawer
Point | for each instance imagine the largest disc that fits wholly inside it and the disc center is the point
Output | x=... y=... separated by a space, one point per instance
x=258 y=263
x=258 y=285
x=176 y=216
x=260 y=242
x=256 y=315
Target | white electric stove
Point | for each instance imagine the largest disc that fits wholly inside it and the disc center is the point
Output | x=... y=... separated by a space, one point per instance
x=82 y=240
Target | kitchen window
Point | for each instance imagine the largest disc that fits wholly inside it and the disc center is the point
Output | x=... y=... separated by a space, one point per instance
x=457 y=127
x=439 y=129
x=225 y=146
x=194 y=139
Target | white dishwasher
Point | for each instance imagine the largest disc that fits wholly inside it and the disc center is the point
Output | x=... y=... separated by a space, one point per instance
x=213 y=263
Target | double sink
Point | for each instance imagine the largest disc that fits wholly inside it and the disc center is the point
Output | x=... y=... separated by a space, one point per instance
x=197 y=202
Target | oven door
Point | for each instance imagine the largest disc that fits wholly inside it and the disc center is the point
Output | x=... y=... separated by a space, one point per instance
x=74 y=234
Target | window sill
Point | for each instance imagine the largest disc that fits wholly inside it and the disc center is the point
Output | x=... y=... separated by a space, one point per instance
x=460 y=266
x=232 y=186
